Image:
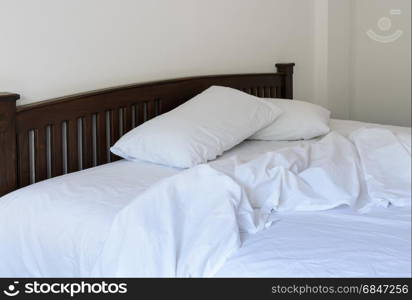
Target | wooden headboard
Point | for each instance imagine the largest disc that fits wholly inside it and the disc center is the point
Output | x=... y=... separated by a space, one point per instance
x=54 y=137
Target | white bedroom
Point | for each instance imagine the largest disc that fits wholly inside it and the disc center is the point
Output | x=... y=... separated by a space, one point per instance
x=222 y=138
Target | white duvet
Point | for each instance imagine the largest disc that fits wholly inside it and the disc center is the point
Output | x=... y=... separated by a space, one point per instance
x=189 y=222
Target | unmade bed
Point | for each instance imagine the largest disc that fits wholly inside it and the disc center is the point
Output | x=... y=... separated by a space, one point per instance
x=82 y=205
x=319 y=207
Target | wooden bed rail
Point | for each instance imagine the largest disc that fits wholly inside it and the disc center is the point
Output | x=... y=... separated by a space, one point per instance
x=54 y=137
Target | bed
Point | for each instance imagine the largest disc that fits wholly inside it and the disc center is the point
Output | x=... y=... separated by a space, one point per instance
x=59 y=226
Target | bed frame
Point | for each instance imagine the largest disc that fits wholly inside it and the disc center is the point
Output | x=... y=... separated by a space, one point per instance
x=54 y=137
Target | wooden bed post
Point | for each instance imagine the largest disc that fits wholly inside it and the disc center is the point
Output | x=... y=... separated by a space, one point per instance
x=8 y=153
x=287 y=69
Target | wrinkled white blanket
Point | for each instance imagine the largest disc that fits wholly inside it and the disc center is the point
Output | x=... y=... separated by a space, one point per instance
x=386 y=164
x=185 y=226
x=208 y=205
x=189 y=224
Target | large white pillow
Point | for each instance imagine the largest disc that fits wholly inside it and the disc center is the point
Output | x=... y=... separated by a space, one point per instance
x=198 y=130
x=299 y=121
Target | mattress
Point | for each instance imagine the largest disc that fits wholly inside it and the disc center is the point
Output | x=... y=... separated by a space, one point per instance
x=338 y=242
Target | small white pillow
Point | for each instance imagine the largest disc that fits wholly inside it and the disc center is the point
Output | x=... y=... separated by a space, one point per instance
x=299 y=121
x=198 y=130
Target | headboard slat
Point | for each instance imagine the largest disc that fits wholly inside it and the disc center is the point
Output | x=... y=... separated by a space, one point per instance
x=23 y=159
x=151 y=109
x=40 y=154
x=101 y=138
x=114 y=130
x=57 y=150
x=87 y=138
x=72 y=146
x=127 y=118
x=139 y=113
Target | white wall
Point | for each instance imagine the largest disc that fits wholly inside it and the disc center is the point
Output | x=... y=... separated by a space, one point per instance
x=339 y=67
x=381 y=71
x=50 y=48
x=368 y=80
x=321 y=53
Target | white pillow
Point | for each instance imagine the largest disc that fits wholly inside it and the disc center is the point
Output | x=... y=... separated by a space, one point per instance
x=299 y=121
x=198 y=130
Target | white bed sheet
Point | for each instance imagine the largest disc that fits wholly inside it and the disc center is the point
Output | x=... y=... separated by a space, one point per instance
x=335 y=243
x=308 y=241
